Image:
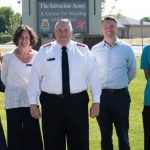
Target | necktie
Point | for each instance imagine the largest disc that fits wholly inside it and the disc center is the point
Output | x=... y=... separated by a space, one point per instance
x=65 y=73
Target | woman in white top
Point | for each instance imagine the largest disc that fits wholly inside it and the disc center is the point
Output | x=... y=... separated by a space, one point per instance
x=23 y=130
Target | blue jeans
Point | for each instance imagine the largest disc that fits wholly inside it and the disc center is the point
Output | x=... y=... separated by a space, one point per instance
x=114 y=109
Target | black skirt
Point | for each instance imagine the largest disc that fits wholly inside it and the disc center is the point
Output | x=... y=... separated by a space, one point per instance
x=3 y=145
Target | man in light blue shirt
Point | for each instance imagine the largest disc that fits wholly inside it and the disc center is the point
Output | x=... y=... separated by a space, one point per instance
x=117 y=67
x=145 y=65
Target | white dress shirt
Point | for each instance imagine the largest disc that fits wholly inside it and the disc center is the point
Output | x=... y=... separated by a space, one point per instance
x=46 y=74
x=15 y=76
x=116 y=64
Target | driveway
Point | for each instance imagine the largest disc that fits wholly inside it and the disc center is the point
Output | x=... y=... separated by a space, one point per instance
x=137 y=49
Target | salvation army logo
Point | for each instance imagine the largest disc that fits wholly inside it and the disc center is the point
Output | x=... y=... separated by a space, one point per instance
x=80 y=24
x=45 y=24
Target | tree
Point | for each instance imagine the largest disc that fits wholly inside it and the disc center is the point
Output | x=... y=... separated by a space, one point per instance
x=9 y=19
x=103 y=4
x=113 y=10
x=147 y=19
x=2 y=24
x=15 y=21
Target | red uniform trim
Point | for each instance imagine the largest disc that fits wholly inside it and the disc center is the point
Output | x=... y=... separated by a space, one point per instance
x=46 y=45
x=80 y=44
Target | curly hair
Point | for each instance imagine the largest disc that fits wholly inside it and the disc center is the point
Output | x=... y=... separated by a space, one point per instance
x=18 y=33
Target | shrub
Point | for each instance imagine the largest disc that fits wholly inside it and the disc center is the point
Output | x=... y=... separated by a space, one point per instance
x=5 y=38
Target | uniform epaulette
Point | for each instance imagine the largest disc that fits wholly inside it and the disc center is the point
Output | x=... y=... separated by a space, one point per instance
x=48 y=44
x=80 y=44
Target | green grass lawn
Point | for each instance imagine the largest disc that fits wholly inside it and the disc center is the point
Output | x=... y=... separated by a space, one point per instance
x=136 y=129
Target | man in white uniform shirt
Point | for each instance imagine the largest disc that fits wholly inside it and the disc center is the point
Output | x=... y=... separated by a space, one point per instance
x=117 y=67
x=64 y=103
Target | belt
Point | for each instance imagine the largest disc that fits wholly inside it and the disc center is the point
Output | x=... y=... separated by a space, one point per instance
x=61 y=95
x=112 y=91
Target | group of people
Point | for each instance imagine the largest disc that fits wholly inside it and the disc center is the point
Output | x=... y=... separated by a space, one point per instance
x=53 y=84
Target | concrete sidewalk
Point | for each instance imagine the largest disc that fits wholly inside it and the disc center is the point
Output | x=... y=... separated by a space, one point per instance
x=137 y=49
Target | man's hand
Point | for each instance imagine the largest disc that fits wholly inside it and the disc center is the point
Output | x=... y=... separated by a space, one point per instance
x=34 y=111
x=94 y=110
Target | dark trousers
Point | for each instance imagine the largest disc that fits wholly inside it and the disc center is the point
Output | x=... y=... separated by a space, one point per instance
x=23 y=131
x=65 y=119
x=146 y=125
x=114 y=109
x=3 y=145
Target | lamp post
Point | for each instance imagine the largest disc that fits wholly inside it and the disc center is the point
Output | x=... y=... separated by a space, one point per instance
x=141 y=23
x=18 y=1
x=19 y=4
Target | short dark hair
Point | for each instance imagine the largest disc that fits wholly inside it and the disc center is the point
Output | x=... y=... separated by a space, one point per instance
x=109 y=18
x=18 y=33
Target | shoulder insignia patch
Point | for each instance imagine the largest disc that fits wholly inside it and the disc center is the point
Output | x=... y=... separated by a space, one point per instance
x=80 y=44
x=48 y=44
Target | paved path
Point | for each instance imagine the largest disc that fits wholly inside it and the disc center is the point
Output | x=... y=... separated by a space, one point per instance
x=137 y=49
x=5 y=46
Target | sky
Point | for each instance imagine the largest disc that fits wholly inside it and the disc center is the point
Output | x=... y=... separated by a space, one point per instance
x=12 y=3
x=136 y=9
